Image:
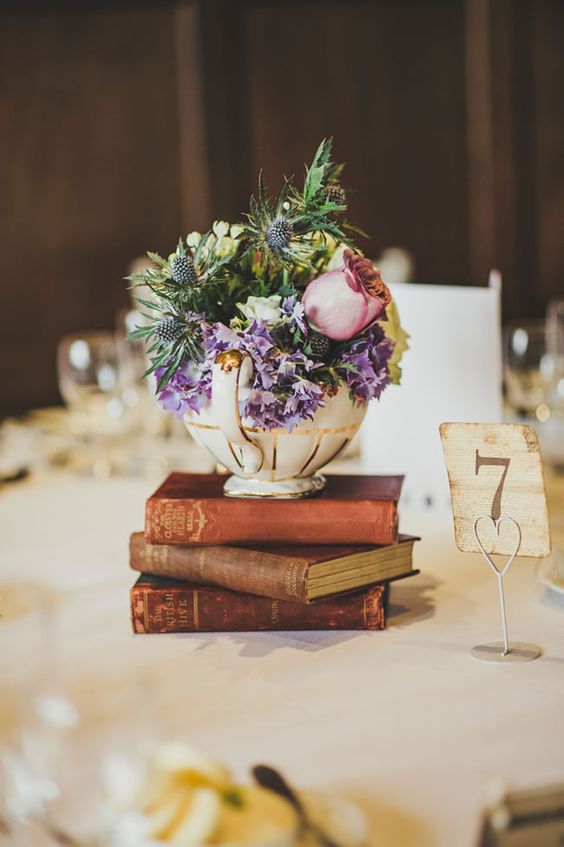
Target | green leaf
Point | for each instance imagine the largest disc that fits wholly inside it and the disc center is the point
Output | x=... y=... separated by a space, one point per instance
x=158 y=260
x=314 y=182
x=262 y=199
x=394 y=330
x=140 y=332
x=170 y=370
x=316 y=172
x=283 y=196
x=149 y=304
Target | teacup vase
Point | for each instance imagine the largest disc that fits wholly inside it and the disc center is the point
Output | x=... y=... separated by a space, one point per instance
x=269 y=463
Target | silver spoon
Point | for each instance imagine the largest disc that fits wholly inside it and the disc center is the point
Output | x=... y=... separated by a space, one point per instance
x=269 y=778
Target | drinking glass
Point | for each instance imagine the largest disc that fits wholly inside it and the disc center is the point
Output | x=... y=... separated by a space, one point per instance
x=138 y=391
x=555 y=343
x=528 y=369
x=90 y=381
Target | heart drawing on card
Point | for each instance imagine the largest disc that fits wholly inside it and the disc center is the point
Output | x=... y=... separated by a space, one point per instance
x=496 y=525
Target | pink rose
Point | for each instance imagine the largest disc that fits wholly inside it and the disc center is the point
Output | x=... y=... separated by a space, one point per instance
x=344 y=302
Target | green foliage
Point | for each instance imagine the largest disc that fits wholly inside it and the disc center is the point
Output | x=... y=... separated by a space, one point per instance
x=394 y=330
x=308 y=211
x=318 y=171
x=229 y=263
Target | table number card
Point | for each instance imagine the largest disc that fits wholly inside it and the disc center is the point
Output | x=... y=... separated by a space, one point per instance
x=499 y=507
x=495 y=470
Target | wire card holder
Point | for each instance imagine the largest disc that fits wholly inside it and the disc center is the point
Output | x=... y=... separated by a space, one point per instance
x=502 y=651
x=488 y=463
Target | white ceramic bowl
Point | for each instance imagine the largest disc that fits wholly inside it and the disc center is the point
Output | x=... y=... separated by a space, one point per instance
x=269 y=463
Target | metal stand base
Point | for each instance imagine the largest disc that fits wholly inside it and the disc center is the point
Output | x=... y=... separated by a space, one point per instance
x=519 y=651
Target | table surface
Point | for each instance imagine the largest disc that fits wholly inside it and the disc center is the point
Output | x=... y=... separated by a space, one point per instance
x=404 y=721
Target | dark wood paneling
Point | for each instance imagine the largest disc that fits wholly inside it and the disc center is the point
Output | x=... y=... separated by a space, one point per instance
x=547 y=35
x=482 y=249
x=387 y=81
x=89 y=173
x=126 y=123
x=513 y=145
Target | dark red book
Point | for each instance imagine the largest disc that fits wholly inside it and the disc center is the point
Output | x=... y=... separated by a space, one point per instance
x=163 y=605
x=299 y=573
x=192 y=509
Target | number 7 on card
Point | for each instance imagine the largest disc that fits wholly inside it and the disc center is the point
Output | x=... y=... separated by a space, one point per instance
x=496 y=470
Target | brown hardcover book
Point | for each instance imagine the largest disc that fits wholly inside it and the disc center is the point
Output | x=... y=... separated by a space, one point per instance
x=285 y=572
x=192 y=509
x=161 y=605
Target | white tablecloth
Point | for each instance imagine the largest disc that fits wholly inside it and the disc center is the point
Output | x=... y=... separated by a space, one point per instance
x=404 y=720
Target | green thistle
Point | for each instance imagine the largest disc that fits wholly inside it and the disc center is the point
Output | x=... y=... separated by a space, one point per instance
x=282 y=230
x=168 y=330
x=171 y=337
x=191 y=279
x=319 y=345
x=283 y=243
x=336 y=194
x=183 y=270
x=278 y=235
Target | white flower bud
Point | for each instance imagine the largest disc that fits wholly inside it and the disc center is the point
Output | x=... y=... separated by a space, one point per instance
x=261 y=308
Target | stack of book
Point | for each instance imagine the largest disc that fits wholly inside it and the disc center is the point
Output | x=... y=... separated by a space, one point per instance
x=210 y=563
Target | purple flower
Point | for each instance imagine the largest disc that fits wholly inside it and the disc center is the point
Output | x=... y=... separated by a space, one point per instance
x=364 y=365
x=283 y=393
x=188 y=389
x=295 y=312
x=257 y=340
x=218 y=337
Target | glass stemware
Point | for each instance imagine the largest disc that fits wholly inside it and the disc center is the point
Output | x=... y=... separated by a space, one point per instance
x=555 y=344
x=138 y=392
x=91 y=383
x=529 y=370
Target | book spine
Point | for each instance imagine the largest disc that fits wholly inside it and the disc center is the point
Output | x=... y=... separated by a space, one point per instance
x=177 y=608
x=233 y=521
x=249 y=571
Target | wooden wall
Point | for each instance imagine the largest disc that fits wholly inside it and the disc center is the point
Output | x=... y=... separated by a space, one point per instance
x=126 y=123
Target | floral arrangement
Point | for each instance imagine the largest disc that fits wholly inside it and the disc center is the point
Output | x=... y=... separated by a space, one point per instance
x=288 y=286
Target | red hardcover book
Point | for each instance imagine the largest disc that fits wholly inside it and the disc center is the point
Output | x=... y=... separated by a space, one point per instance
x=192 y=509
x=161 y=605
x=286 y=572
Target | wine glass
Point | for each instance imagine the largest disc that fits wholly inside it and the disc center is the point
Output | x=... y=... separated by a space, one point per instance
x=528 y=369
x=534 y=382
x=91 y=383
x=555 y=342
x=138 y=390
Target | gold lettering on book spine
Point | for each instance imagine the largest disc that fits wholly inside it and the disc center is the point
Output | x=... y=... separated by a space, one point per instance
x=177 y=521
x=196 y=521
x=169 y=611
x=291 y=580
x=196 y=611
x=183 y=616
x=274 y=613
